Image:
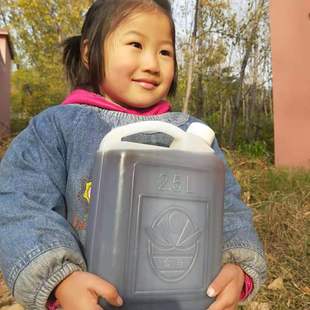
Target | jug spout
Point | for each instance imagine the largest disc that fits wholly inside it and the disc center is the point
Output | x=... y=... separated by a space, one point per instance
x=199 y=138
x=203 y=131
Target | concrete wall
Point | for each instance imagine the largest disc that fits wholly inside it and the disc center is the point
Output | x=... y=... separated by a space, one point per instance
x=5 y=76
x=290 y=38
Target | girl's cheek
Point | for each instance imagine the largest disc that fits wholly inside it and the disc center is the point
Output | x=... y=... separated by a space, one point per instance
x=126 y=66
x=171 y=73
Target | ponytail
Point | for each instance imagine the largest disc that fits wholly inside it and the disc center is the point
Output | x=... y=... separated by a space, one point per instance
x=72 y=59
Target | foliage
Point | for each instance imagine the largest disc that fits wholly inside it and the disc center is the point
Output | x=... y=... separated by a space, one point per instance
x=38 y=29
x=256 y=149
x=230 y=88
x=231 y=84
x=31 y=93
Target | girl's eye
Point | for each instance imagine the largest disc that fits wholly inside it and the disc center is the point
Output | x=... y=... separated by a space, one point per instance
x=165 y=53
x=136 y=44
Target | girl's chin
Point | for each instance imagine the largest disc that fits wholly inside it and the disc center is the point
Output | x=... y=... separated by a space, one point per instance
x=140 y=106
x=130 y=103
x=135 y=105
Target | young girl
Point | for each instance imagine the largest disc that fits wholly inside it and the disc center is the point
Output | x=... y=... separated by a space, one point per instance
x=121 y=69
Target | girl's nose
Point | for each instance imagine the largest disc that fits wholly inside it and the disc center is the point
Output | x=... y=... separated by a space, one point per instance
x=150 y=63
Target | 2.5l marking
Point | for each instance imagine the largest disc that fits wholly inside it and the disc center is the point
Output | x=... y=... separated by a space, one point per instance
x=174 y=183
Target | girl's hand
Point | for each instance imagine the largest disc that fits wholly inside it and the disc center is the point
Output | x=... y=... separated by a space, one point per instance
x=227 y=288
x=81 y=290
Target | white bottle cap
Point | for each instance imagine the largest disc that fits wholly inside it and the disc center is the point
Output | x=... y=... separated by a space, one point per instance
x=203 y=131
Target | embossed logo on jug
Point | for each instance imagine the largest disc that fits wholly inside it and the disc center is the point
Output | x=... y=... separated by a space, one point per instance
x=173 y=244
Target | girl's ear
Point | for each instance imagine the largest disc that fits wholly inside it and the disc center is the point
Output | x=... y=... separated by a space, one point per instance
x=84 y=53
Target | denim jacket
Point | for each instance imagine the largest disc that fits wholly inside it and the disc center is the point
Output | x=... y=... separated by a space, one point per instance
x=45 y=178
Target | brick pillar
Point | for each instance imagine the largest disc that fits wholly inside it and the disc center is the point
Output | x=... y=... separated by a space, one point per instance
x=6 y=55
x=290 y=41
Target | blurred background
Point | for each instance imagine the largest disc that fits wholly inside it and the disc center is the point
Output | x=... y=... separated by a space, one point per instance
x=223 y=55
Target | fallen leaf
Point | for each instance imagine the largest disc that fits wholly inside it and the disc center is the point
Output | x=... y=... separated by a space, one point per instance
x=306 y=290
x=276 y=284
x=247 y=197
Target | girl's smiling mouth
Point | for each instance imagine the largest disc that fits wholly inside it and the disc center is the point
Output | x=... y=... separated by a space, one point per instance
x=146 y=83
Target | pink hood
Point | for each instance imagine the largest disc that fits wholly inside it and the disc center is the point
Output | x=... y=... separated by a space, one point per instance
x=82 y=96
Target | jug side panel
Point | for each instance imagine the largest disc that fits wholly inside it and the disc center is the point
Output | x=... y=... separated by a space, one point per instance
x=110 y=219
x=94 y=202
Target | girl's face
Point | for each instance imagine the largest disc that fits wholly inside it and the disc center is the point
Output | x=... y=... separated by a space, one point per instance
x=139 y=61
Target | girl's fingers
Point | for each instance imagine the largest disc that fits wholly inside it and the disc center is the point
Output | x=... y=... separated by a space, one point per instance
x=222 y=304
x=88 y=303
x=227 y=287
x=222 y=280
x=107 y=291
x=232 y=308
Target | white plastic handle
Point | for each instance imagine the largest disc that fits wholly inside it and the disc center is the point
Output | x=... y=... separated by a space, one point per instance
x=116 y=134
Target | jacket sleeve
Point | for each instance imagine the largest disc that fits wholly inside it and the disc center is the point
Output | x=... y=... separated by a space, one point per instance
x=38 y=247
x=241 y=243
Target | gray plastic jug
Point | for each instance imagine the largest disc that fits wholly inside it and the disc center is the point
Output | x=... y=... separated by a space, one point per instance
x=156 y=217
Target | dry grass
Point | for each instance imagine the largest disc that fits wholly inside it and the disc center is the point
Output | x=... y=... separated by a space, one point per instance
x=280 y=200
x=4 y=143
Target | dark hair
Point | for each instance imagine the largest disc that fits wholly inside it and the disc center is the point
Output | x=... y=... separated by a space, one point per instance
x=102 y=17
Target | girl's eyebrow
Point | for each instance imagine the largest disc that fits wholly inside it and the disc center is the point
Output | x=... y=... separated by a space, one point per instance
x=142 y=35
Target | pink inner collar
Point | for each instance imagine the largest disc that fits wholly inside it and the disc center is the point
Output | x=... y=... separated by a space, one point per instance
x=82 y=96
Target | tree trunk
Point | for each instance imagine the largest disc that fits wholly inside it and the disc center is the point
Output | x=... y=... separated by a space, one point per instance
x=237 y=102
x=191 y=62
x=199 y=100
